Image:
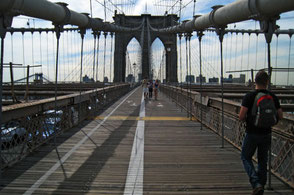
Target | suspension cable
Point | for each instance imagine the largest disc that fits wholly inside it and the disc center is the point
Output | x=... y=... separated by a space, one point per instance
x=194 y=8
x=289 y=59
x=248 y=59
x=190 y=73
x=242 y=50
x=11 y=39
x=94 y=56
x=111 y=55
x=67 y=56
x=104 y=57
x=187 y=76
x=82 y=33
x=41 y=57
x=256 y=51
x=33 y=52
x=23 y=55
x=181 y=68
x=276 y=60
x=91 y=9
x=63 y=58
x=97 y=57
x=200 y=34
x=231 y=51
x=47 y=50
x=58 y=33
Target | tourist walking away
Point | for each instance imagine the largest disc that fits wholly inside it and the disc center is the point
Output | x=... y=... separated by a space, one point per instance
x=156 y=87
x=260 y=110
x=150 y=87
x=145 y=87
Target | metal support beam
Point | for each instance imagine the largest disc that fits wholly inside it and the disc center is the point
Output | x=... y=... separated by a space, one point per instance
x=58 y=13
x=237 y=11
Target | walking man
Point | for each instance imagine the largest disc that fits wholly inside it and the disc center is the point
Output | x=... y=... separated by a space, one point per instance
x=258 y=129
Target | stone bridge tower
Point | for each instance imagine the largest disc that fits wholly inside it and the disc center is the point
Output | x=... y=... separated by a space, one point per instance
x=145 y=36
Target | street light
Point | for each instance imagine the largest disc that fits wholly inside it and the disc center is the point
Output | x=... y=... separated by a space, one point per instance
x=134 y=65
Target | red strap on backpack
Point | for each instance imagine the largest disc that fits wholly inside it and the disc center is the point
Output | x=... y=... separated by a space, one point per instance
x=264 y=97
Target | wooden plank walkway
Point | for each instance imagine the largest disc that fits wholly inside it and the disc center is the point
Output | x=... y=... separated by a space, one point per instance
x=173 y=156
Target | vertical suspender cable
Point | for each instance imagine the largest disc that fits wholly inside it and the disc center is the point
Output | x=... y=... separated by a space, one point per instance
x=110 y=74
x=222 y=83
x=236 y=48
x=91 y=10
x=47 y=48
x=63 y=57
x=53 y=45
x=248 y=59
x=41 y=57
x=231 y=51
x=277 y=45
x=268 y=37
x=23 y=55
x=181 y=67
x=256 y=51
x=33 y=52
x=194 y=8
x=58 y=31
x=289 y=59
x=82 y=32
x=97 y=59
x=242 y=51
x=187 y=76
x=190 y=73
x=200 y=34
x=11 y=39
x=94 y=57
x=221 y=32
x=104 y=57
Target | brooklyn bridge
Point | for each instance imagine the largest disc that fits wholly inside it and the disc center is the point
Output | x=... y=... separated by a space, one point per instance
x=73 y=115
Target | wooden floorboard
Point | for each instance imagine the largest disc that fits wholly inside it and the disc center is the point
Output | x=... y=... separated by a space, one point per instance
x=179 y=158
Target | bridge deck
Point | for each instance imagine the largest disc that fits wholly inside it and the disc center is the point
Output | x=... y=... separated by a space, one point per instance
x=134 y=148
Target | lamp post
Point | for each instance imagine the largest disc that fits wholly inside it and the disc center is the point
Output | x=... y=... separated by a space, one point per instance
x=134 y=65
x=168 y=62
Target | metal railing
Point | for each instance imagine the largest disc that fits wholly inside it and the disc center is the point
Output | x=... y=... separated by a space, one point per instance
x=282 y=155
x=27 y=126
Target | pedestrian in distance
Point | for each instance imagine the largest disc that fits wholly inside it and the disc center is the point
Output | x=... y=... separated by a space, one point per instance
x=150 y=88
x=156 y=88
x=260 y=109
x=145 y=87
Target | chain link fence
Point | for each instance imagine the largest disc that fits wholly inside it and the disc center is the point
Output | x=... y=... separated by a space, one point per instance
x=26 y=127
x=209 y=110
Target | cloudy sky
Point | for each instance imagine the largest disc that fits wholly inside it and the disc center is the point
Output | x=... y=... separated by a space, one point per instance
x=240 y=52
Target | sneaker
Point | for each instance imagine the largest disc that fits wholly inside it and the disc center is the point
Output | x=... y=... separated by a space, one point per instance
x=258 y=191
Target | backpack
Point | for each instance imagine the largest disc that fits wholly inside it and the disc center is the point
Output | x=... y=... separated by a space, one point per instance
x=264 y=112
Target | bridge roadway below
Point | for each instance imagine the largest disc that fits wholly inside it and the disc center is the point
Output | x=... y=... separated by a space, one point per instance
x=134 y=147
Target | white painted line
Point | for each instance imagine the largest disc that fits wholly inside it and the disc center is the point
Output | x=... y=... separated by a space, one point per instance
x=134 y=182
x=37 y=184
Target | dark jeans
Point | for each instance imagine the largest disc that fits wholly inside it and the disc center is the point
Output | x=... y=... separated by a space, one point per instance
x=150 y=92
x=250 y=144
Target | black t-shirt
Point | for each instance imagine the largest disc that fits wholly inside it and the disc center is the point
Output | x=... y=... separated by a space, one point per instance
x=248 y=102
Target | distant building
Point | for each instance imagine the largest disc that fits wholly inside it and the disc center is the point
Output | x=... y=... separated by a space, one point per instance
x=200 y=78
x=130 y=78
x=105 y=80
x=86 y=79
x=140 y=76
x=213 y=80
x=229 y=80
x=190 y=78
